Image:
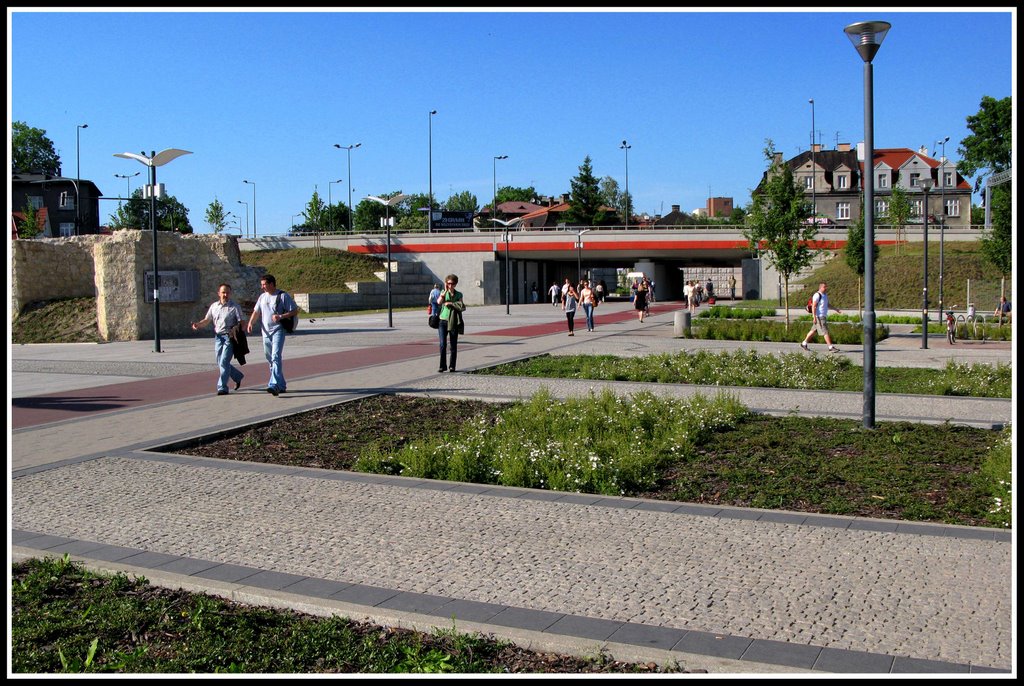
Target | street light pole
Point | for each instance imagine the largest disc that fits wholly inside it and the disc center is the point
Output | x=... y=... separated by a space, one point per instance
x=494 y=215
x=926 y=185
x=129 y=177
x=153 y=161
x=348 y=149
x=942 y=220
x=78 y=177
x=387 y=203
x=242 y=202
x=626 y=148
x=867 y=37
x=579 y=254
x=253 y=183
x=814 y=172
x=330 y=202
x=430 y=170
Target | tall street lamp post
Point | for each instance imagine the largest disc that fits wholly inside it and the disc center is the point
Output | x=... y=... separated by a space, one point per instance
x=242 y=202
x=253 y=183
x=78 y=177
x=508 y=272
x=926 y=185
x=942 y=220
x=388 y=203
x=153 y=161
x=625 y=147
x=330 y=204
x=129 y=177
x=430 y=170
x=348 y=149
x=867 y=37
x=814 y=171
x=579 y=254
x=494 y=215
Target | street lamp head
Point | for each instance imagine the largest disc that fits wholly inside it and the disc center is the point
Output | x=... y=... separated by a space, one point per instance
x=83 y=126
x=926 y=185
x=867 y=37
x=625 y=146
x=501 y=157
x=433 y=111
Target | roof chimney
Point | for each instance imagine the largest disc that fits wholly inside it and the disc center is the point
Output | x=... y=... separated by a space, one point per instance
x=675 y=208
x=923 y=150
x=816 y=147
x=843 y=147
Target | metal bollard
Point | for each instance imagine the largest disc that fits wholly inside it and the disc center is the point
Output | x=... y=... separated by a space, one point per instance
x=682 y=323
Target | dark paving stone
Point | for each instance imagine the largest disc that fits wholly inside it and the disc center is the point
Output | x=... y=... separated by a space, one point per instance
x=468 y=610
x=316 y=588
x=522 y=618
x=825 y=520
x=847 y=661
x=414 y=602
x=579 y=498
x=698 y=510
x=864 y=525
x=149 y=560
x=657 y=506
x=919 y=529
x=652 y=636
x=752 y=515
x=229 y=573
x=187 y=565
x=272 y=580
x=81 y=548
x=783 y=517
x=914 y=665
x=113 y=553
x=716 y=645
x=45 y=541
x=782 y=653
x=585 y=627
x=361 y=594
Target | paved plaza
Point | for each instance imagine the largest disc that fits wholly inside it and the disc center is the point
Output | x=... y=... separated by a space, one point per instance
x=727 y=590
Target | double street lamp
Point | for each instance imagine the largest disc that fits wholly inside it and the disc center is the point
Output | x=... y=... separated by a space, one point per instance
x=129 y=177
x=388 y=203
x=253 y=183
x=926 y=185
x=153 y=161
x=78 y=177
x=867 y=37
x=242 y=202
x=626 y=148
x=430 y=170
x=348 y=149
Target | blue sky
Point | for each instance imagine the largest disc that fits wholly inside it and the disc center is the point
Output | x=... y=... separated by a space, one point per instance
x=265 y=95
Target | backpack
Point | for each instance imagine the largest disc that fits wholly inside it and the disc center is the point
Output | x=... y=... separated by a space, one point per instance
x=810 y=305
x=287 y=323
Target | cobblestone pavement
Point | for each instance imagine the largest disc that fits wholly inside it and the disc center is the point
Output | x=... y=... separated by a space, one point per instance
x=723 y=589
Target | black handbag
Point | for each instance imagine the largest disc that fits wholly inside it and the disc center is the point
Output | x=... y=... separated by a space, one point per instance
x=434 y=321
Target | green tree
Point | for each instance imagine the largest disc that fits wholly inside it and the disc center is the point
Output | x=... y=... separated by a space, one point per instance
x=990 y=145
x=853 y=253
x=585 y=200
x=171 y=215
x=461 y=202
x=336 y=219
x=29 y=227
x=216 y=216
x=315 y=212
x=899 y=213
x=515 y=194
x=776 y=222
x=32 y=151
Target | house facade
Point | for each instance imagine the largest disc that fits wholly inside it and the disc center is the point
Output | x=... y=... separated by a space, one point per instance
x=833 y=183
x=54 y=199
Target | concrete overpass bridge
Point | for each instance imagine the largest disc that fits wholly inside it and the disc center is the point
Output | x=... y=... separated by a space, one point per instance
x=670 y=255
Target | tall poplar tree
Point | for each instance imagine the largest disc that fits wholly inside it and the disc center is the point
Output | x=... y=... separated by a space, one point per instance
x=585 y=199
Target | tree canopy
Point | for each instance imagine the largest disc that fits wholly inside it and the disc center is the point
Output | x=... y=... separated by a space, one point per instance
x=990 y=145
x=171 y=214
x=585 y=200
x=32 y=151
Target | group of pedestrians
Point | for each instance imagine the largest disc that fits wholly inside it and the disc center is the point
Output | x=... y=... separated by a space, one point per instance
x=230 y=342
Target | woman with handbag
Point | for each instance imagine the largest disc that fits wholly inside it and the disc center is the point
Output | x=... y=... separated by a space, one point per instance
x=589 y=302
x=450 y=324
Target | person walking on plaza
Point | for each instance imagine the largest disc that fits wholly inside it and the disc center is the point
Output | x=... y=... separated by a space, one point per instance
x=271 y=307
x=534 y=295
x=1003 y=310
x=732 y=287
x=451 y=324
x=589 y=301
x=556 y=294
x=223 y=314
x=570 y=298
x=640 y=299
x=819 y=311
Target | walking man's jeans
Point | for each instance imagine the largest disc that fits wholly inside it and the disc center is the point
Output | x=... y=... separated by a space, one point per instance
x=225 y=349
x=273 y=346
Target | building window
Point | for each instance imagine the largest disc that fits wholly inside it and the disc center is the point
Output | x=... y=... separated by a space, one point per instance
x=917 y=207
x=67 y=200
x=882 y=208
x=915 y=180
x=947 y=179
x=841 y=182
x=36 y=201
x=883 y=180
x=808 y=182
x=67 y=229
x=952 y=208
x=842 y=210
